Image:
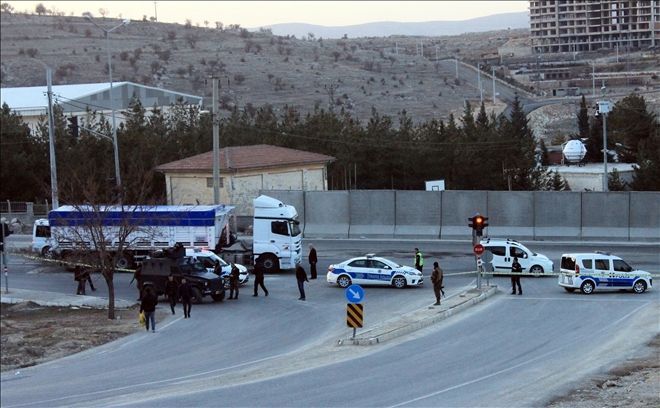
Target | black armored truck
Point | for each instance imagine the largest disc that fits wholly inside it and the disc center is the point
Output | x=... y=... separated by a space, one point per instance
x=155 y=272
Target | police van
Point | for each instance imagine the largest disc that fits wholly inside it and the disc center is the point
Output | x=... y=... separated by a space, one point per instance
x=504 y=250
x=600 y=270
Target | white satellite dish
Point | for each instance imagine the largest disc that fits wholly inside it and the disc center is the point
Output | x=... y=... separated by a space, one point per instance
x=574 y=151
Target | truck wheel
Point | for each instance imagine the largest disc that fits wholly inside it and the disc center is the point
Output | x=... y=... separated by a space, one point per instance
x=45 y=252
x=271 y=264
x=124 y=261
x=219 y=297
x=196 y=296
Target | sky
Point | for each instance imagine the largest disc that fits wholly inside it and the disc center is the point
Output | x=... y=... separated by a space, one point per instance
x=262 y=13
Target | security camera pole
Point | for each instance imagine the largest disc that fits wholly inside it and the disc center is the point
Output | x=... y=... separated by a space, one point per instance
x=604 y=109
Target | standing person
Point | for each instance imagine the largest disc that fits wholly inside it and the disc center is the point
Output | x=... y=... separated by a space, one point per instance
x=436 y=278
x=79 y=277
x=419 y=260
x=171 y=291
x=88 y=273
x=313 y=259
x=148 y=306
x=301 y=277
x=234 y=277
x=137 y=276
x=185 y=293
x=259 y=277
x=515 y=277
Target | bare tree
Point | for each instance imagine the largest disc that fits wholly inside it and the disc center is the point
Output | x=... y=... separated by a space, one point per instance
x=103 y=12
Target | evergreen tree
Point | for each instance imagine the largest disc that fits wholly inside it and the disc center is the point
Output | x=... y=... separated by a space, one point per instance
x=629 y=124
x=615 y=183
x=521 y=162
x=583 y=119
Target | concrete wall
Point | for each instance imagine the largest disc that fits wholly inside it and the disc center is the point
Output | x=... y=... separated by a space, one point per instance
x=418 y=214
x=645 y=216
x=510 y=214
x=326 y=214
x=557 y=215
x=457 y=207
x=605 y=216
x=371 y=214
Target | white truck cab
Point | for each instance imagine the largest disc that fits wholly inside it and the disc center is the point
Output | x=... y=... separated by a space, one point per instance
x=504 y=250
x=277 y=236
x=41 y=239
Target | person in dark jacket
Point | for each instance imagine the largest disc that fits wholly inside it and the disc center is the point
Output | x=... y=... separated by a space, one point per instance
x=259 y=277
x=313 y=259
x=171 y=291
x=148 y=306
x=301 y=277
x=234 y=278
x=186 y=294
x=436 y=279
x=137 y=276
x=516 y=269
x=79 y=276
x=88 y=274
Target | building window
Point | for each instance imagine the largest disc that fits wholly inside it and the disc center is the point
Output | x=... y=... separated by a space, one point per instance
x=209 y=182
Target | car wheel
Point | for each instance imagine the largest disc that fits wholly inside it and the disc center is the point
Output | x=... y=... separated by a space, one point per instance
x=536 y=269
x=569 y=290
x=587 y=287
x=271 y=264
x=344 y=281
x=219 y=297
x=196 y=296
x=399 y=282
x=639 y=286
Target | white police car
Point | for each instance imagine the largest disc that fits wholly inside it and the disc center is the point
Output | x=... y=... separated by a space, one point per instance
x=208 y=259
x=588 y=271
x=373 y=270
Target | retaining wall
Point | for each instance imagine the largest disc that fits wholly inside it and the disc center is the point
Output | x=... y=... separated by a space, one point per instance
x=418 y=214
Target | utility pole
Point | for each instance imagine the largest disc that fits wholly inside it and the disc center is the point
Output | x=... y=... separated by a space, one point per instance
x=51 y=141
x=216 y=145
x=604 y=109
x=155 y=12
x=436 y=53
x=593 y=79
x=493 y=84
x=396 y=48
x=481 y=91
x=456 y=62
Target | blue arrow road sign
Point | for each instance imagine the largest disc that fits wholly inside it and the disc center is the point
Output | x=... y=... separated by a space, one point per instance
x=354 y=294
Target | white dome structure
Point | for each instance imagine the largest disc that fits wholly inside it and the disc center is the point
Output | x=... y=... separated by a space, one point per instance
x=574 y=151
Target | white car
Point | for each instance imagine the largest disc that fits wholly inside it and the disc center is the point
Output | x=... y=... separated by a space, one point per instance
x=373 y=270
x=504 y=250
x=208 y=259
x=590 y=271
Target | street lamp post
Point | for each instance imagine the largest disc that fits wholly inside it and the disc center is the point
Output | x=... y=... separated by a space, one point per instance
x=107 y=32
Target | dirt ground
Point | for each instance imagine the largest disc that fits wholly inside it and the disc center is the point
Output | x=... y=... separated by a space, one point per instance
x=32 y=334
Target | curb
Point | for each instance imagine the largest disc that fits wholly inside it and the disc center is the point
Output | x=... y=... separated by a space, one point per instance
x=87 y=302
x=369 y=340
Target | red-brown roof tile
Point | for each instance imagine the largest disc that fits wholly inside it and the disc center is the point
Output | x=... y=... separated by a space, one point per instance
x=245 y=157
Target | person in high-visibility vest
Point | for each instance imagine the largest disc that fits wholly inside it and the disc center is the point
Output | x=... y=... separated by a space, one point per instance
x=419 y=260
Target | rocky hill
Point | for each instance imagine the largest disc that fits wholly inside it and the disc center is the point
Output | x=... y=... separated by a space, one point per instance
x=388 y=74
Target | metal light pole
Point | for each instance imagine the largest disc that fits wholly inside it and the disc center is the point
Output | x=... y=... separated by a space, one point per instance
x=604 y=109
x=493 y=84
x=481 y=90
x=51 y=141
x=107 y=32
x=216 y=145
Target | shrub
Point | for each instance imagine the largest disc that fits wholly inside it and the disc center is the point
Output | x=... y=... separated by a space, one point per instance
x=88 y=32
x=239 y=78
x=171 y=35
x=123 y=55
x=31 y=52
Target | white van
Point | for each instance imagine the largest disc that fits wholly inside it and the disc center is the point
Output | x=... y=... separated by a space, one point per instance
x=41 y=240
x=601 y=270
x=504 y=250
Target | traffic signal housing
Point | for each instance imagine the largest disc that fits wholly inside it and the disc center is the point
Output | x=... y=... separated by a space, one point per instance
x=478 y=223
x=73 y=126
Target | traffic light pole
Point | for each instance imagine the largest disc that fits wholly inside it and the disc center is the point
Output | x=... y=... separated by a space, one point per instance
x=475 y=241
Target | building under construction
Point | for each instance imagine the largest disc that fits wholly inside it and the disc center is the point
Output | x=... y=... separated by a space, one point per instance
x=591 y=25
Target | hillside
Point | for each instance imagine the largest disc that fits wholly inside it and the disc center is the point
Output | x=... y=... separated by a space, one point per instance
x=387 y=74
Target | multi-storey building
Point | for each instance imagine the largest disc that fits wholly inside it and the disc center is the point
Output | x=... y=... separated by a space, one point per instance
x=590 y=25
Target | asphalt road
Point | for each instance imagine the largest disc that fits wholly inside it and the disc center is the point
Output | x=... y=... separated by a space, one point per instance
x=277 y=351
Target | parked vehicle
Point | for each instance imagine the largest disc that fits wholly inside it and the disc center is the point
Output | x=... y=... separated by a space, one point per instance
x=600 y=270
x=504 y=250
x=155 y=272
x=208 y=260
x=373 y=270
x=68 y=229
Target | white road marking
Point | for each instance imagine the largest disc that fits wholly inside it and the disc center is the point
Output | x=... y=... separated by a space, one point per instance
x=513 y=367
x=578 y=299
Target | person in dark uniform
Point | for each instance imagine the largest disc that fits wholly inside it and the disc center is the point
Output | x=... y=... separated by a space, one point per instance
x=79 y=276
x=171 y=291
x=259 y=277
x=301 y=277
x=313 y=259
x=185 y=293
x=88 y=273
x=516 y=269
x=148 y=306
x=234 y=278
x=436 y=279
x=137 y=276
